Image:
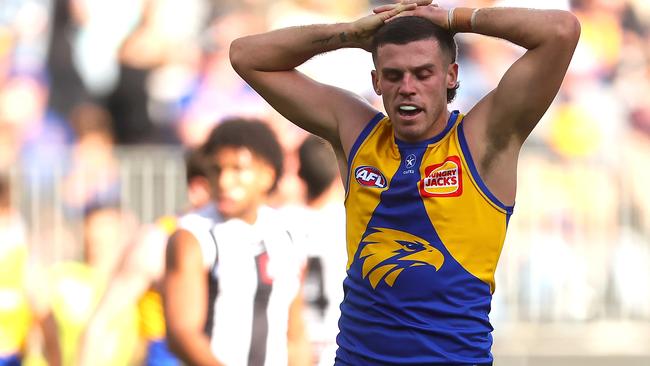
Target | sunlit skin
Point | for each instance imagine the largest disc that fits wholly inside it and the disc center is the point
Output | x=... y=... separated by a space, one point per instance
x=240 y=182
x=415 y=74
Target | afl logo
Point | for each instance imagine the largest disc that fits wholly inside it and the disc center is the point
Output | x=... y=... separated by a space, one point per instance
x=369 y=176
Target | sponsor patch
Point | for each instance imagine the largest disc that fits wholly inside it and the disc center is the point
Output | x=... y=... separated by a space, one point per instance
x=443 y=180
x=410 y=161
x=369 y=176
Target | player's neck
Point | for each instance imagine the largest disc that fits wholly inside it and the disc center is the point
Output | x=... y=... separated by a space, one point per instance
x=250 y=215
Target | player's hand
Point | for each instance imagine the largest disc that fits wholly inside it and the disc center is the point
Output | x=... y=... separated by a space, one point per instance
x=424 y=9
x=389 y=7
x=364 y=29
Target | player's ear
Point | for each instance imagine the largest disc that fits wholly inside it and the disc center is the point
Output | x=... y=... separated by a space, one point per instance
x=452 y=75
x=375 y=82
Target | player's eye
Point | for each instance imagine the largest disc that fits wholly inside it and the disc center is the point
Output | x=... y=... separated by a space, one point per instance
x=423 y=75
x=393 y=75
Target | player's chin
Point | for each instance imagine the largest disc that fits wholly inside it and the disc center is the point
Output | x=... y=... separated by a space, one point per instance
x=227 y=207
x=409 y=130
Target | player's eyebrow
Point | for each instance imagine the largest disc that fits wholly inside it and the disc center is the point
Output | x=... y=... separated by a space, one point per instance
x=424 y=67
x=414 y=69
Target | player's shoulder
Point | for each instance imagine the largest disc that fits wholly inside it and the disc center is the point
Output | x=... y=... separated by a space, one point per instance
x=202 y=217
x=274 y=220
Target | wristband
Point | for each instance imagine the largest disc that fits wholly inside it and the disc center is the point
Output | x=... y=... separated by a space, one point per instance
x=461 y=19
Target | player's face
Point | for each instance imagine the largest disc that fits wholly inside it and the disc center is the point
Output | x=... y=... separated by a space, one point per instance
x=240 y=182
x=413 y=79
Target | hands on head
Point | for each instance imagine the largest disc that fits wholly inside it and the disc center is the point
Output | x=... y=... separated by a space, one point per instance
x=422 y=8
x=367 y=26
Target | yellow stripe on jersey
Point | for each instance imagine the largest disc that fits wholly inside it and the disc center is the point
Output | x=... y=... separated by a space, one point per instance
x=364 y=184
x=478 y=253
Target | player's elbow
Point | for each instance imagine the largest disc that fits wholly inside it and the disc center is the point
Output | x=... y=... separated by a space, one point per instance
x=567 y=28
x=237 y=55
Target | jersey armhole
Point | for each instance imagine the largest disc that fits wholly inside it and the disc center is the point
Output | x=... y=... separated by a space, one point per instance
x=216 y=253
x=464 y=147
x=357 y=144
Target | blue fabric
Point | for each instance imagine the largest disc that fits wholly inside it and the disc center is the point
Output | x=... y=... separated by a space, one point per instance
x=159 y=354
x=13 y=360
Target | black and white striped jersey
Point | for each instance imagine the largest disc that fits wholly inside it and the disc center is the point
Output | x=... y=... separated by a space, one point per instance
x=255 y=273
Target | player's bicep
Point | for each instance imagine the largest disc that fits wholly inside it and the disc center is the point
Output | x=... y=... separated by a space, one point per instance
x=528 y=88
x=184 y=285
x=318 y=108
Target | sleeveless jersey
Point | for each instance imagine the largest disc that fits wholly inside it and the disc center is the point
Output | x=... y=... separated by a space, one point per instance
x=424 y=235
x=254 y=275
x=150 y=306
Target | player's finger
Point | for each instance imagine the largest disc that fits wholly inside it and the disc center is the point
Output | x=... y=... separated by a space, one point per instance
x=383 y=8
x=401 y=14
x=388 y=7
x=420 y=2
x=385 y=16
x=402 y=8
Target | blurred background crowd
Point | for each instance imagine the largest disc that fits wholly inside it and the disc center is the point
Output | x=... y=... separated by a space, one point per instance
x=99 y=100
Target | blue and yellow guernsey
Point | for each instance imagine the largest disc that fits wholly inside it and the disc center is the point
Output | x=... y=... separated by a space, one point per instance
x=424 y=235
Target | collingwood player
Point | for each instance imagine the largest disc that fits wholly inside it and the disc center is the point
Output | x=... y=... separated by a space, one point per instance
x=232 y=291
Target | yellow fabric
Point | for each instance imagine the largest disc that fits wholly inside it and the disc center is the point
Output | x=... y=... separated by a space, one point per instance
x=152 y=319
x=360 y=203
x=168 y=224
x=76 y=291
x=15 y=315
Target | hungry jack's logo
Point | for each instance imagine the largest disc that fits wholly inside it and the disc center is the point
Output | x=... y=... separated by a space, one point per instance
x=443 y=180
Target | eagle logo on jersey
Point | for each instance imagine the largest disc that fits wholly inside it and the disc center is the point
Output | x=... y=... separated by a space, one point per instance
x=388 y=252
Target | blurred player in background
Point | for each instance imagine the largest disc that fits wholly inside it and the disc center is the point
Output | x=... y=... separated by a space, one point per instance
x=232 y=292
x=429 y=191
x=138 y=279
x=320 y=224
x=75 y=288
x=18 y=313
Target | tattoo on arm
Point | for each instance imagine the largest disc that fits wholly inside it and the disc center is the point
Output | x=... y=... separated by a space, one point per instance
x=343 y=37
x=324 y=41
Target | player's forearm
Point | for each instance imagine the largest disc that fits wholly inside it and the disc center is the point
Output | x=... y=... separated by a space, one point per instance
x=284 y=49
x=300 y=352
x=51 y=346
x=529 y=28
x=192 y=347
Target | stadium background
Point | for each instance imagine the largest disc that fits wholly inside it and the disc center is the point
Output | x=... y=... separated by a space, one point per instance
x=98 y=100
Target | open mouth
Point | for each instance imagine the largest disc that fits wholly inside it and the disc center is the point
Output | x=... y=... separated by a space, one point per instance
x=408 y=110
